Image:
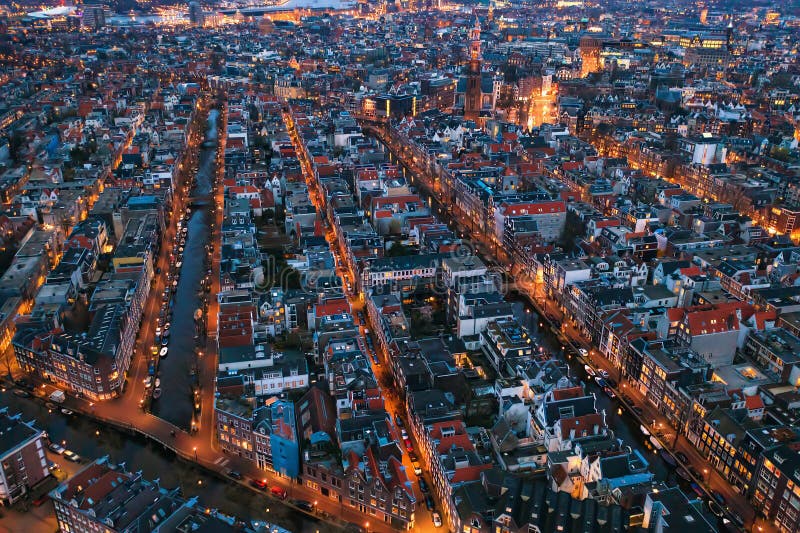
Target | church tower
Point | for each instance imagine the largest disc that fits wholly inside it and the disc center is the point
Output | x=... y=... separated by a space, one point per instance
x=472 y=100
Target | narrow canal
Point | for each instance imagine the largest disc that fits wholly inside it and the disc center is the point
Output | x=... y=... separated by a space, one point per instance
x=178 y=370
x=91 y=441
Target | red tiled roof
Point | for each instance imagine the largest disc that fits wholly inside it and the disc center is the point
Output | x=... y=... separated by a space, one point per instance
x=572 y=165
x=468 y=473
x=332 y=307
x=532 y=208
x=691 y=271
x=581 y=424
x=712 y=321
x=753 y=402
x=567 y=393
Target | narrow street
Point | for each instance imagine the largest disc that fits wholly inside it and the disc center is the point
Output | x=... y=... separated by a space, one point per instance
x=392 y=402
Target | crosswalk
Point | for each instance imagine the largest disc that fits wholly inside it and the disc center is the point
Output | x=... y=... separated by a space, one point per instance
x=222 y=461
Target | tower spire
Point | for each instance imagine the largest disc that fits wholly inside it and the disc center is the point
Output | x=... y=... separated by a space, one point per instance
x=475 y=41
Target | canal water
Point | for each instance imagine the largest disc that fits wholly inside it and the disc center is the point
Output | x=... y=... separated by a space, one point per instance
x=79 y=435
x=176 y=404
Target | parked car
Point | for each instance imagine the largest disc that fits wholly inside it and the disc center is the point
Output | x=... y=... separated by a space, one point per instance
x=583 y=351
x=279 y=492
x=437 y=519
x=429 y=502
x=57 y=448
x=409 y=446
x=417 y=468
x=423 y=486
x=682 y=457
x=305 y=505
x=398 y=421
x=72 y=456
x=718 y=497
x=234 y=474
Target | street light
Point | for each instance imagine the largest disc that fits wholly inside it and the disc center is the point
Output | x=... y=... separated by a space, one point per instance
x=195 y=453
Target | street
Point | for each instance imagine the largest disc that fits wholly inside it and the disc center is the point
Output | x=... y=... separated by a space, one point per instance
x=392 y=402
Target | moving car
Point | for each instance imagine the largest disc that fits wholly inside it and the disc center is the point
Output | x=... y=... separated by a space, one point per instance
x=583 y=351
x=437 y=519
x=164 y=351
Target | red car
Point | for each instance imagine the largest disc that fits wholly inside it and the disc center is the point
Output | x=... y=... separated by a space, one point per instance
x=409 y=447
x=259 y=483
x=279 y=492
